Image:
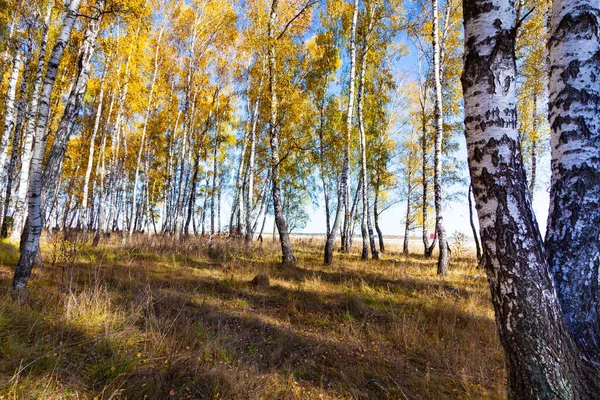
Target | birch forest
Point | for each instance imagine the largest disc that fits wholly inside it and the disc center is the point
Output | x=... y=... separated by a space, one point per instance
x=299 y=199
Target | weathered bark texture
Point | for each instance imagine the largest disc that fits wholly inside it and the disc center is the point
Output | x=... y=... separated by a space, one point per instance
x=30 y=246
x=542 y=359
x=440 y=230
x=572 y=239
x=343 y=186
x=284 y=237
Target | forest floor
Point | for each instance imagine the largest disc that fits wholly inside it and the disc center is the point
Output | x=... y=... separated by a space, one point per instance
x=158 y=319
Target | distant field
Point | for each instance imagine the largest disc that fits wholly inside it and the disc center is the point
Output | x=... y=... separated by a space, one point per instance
x=163 y=320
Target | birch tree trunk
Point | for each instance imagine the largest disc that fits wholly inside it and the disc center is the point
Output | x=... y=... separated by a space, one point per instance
x=250 y=187
x=27 y=146
x=9 y=112
x=427 y=247
x=343 y=187
x=237 y=206
x=287 y=254
x=363 y=142
x=376 y=213
x=542 y=359
x=574 y=220
x=215 y=166
x=30 y=246
x=84 y=215
x=444 y=255
x=322 y=162
x=53 y=166
x=14 y=153
x=186 y=122
x=408 y=207
x=144 y=131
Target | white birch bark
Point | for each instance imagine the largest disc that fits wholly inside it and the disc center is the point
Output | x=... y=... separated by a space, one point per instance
x=287 y=255
x=27 y=147
x=30 y=246
x=16 y=139
x=84 y=214
x=444 y=255
x=541 y=358
x=9 y=112
x=250 y=187
x=368 y=225
x=53 y=165
x=144 y=131
x=572 y=238
x=343 y=187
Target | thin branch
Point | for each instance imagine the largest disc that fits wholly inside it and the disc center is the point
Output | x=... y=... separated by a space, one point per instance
x=291 y=21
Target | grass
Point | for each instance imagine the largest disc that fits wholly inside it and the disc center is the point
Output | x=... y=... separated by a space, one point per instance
x=157 y=319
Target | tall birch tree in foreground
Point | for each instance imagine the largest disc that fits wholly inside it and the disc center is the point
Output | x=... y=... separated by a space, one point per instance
x=30 y=246
x=544 y=295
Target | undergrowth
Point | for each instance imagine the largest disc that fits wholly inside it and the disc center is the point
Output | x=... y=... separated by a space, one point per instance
x=159 y=319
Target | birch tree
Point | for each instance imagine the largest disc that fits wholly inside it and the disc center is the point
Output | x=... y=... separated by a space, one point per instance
x=27 y=147
x=30 y=246
x=52 y=166
x=444 y=255
x=343 y=191
x=542 y=293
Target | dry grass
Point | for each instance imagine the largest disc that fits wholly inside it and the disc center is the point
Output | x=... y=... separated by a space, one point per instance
x=157 y=319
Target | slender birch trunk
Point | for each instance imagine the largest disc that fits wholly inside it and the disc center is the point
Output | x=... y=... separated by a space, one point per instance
x=427 y=247
x=27 y=146
x=444 y=255
x=53 y=165
x=250 y=186
x=186 y=122
x=343 y=188
x=322 y=157
x=238 y=200
x=287 y=254
x=84 y=215
x=30 y=246
x=144 y=131
x=9 y=112
x=215 y=171
x=376 y=213
x=21 y=106
x=542 y=359
x=407 y=221
x=363 y=142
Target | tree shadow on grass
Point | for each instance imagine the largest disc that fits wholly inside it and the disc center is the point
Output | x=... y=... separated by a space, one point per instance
x=209 y=346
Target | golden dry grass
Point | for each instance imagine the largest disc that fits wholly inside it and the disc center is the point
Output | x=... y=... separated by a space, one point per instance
x=158 y=319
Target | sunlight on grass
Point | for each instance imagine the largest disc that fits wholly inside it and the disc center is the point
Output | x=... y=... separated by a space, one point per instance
x=183 y=320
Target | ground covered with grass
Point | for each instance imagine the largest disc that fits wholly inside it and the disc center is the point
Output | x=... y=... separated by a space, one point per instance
x=159 y=319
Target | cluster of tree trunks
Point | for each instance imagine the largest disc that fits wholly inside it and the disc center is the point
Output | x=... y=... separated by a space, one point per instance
x=545 y=293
